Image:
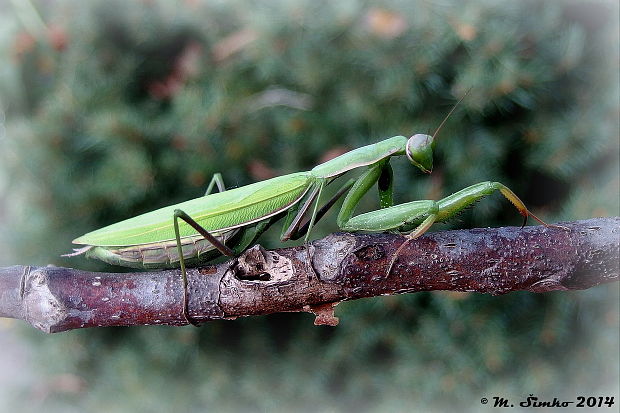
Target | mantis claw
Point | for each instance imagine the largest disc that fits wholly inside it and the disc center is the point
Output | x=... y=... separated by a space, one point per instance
x=562 y=227
x=186 y=315
x=418 y=232
x=528 y=213
x=395 y=256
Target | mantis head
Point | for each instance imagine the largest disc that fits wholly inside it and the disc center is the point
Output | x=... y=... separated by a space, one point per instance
x=419 y=150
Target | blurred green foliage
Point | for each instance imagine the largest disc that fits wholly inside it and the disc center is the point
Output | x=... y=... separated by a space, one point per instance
x=113 y=108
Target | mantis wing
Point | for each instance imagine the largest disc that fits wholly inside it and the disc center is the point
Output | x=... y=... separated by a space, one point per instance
x=215 y=212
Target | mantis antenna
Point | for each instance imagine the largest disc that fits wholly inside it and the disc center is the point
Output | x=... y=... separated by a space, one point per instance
x=450 y=113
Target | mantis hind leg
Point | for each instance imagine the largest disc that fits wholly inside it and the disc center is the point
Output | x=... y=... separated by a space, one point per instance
x=179 y=214
x=216 y=180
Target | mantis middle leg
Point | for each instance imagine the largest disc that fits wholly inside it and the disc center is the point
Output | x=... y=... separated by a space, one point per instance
x=354 y=188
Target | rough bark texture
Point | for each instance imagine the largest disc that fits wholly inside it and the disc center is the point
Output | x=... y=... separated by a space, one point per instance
x=342 y=266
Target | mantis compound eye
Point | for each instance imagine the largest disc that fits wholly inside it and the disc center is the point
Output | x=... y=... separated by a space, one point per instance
x=419 y=150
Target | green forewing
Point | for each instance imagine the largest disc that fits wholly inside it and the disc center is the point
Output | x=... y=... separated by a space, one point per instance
x=222 y=210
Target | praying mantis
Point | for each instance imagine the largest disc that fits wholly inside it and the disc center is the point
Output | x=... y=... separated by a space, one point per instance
x=227 y=222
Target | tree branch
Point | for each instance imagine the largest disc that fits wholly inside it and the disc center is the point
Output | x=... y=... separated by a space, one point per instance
x=344 y=266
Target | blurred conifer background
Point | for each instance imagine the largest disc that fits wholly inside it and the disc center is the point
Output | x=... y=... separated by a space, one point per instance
x=113 y=108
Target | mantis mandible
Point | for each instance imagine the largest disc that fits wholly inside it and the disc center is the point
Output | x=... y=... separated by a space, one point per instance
x=229 y=221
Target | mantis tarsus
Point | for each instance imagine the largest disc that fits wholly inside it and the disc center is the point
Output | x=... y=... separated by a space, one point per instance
x=229 y=221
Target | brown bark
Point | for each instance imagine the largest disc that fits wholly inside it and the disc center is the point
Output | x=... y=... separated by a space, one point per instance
x=342 y=266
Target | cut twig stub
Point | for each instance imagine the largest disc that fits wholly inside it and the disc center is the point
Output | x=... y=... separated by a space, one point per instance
x=324 y=314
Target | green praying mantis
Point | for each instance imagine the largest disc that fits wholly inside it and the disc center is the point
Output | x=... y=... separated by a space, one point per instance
x=229 y=221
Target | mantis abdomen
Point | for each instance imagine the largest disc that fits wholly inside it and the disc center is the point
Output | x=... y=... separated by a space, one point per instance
x=162 y=254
